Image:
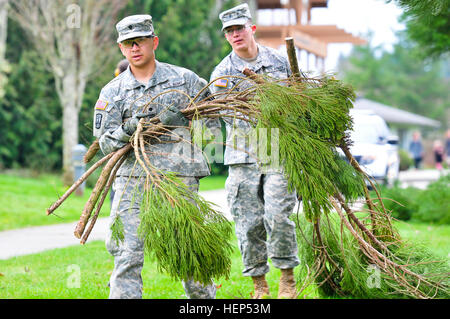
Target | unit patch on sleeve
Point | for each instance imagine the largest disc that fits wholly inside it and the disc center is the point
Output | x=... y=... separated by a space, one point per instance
x=98 y=121
x=101 y=105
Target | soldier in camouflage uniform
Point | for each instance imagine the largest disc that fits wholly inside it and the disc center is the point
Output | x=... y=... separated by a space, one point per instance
x=117 y=113
x=257 y=193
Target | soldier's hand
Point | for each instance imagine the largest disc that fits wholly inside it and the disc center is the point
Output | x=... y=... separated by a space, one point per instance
x=172 y=116
x=130 y=126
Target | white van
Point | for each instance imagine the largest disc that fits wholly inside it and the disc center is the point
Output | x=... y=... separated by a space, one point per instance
x=374 y=148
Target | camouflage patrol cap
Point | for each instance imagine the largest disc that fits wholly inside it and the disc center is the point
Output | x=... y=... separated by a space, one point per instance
x=238 y=15
x=139 y=25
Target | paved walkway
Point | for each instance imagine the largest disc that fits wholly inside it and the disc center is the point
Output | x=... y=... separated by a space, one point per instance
x=36 y=239
x=30 y=240
x=420 y=178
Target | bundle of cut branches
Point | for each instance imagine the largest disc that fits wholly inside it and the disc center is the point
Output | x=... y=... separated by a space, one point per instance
x=313 y=119
x=190 y=239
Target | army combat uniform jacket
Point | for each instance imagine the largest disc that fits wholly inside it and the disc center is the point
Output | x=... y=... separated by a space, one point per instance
x=269 y=62
x=125 y=96
x=259 y=199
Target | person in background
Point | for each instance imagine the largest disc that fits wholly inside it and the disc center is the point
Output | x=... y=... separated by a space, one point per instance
x=438 y=151
x=447 y=148
x=416 y=149
x=121 y=66
x=259 y=199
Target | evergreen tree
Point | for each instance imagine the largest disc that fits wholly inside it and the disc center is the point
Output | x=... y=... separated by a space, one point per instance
x=400 y=79
x=428 y=24
x=30 y=125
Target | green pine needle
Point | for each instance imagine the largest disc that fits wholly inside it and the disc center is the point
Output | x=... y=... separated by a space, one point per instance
x=352 y=272
x=117 y=230
x=312 y=119
x=189 y=239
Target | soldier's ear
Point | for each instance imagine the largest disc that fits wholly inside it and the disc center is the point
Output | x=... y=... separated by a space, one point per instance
x=155 y=42
x=253 y=27
x=121 y=49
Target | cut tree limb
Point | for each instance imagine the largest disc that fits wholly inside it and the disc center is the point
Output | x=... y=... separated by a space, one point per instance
x=102 y=199
x=99 y=186
x=93 y=149
x=58 y=203
x=292 y=56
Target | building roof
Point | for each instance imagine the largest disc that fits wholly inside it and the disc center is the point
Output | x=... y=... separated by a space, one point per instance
x=277 y=4
x=311 y=38
x=395 y=116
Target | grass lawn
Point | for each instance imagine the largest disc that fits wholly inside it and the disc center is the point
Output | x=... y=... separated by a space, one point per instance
x=436 y=237
x=24 y=199
x=53 y=274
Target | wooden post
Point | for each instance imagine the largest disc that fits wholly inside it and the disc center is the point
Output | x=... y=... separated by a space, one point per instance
x=292 y=55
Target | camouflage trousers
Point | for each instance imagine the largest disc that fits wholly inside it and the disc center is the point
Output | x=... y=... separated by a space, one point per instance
x=261 y=205
x=126 y=280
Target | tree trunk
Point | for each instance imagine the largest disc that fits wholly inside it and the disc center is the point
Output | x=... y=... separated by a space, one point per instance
x=73 y=40
x=3 y=33
x=70 y=139
x=3 y=27
x=70 y=106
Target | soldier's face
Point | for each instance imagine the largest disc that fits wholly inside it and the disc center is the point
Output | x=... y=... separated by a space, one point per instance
x=141 y=52
x=240 y=37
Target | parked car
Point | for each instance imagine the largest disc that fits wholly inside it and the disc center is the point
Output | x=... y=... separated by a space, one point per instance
x=374 y=148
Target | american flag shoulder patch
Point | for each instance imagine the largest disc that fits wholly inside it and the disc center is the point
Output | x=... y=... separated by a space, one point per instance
x=223 y=83
x=101 y=105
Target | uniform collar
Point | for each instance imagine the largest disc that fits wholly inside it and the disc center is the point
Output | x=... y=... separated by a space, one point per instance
x=261 y=61
x=129 y=80
x=157 y=77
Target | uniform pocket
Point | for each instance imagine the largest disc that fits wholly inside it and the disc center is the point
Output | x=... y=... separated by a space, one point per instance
x=112 y=246
x=232 y=189
x=278 y=72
